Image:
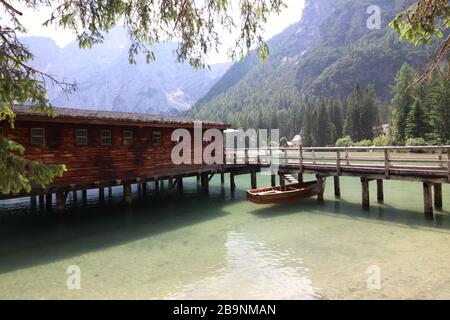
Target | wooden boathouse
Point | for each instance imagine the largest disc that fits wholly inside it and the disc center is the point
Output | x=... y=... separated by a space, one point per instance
x=103 y=149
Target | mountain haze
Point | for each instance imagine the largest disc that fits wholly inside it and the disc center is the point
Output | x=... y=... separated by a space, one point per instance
x=106 y=81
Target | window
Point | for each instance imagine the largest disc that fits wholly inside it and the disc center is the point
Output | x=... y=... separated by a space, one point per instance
x=127 y=137
x=37 y=136
x=105 y=137
x=156 y=138
x=81 y=137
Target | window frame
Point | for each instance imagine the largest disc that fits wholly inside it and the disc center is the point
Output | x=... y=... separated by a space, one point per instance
x=124 y=138
x=157 y=133
x=76 y=137
x=39 y=136
x=101 y=137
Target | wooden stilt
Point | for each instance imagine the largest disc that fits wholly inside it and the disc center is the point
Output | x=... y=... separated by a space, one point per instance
x=41 y=201
x=205 y=182
x=428 y=201
x=127 y=193
x=144 y=188
x=438 y=195
x=253 y=179
x=365 y=193
x=198 y=179
x=171 y=184
x=110 y=192
x=33 y=202
x=273 y=181
x=84 y=197
x=321 y=183
x=101 y=194
x=282 y=181
x=380 y=191
x=48 y=201
x=139 y=189
x=337 y=186
x=232 y=183
x=222 y=178
x=180 y=184
x=156 y=185
x=60 y=202
x=74 y=197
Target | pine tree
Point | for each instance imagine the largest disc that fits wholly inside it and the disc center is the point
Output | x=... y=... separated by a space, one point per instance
x=337 y=116
x=369 y=113
x=324 y=129
x=307 y=132
x=402 y=101
x=353 y=125
x=416 y=123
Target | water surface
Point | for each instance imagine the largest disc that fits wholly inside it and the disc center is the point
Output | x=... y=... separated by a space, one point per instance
x=191 y=246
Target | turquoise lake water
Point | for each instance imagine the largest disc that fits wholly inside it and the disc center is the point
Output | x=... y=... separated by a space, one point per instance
x=192 y=246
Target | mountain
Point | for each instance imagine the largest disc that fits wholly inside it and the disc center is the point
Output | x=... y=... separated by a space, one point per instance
x=323 y=55
x=106 y=81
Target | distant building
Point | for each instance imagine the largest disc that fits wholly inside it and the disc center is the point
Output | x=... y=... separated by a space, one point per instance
x=297 y=141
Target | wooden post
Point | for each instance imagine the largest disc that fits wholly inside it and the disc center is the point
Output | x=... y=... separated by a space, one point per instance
x=101 y=194
x=338 y=163
x=347 y=161
x=84 y=196
x=282 y=181
x=386 y=164
x=139 y=189
x=170 y=184
x=60 y=202
x=127 y=193
x=301 y=160
x=33 y=202
x=320 y=183
x=253 y=179
x=48 y=201
x=156 y=185
x=222 y=178
x=198 y=179
x=75 y=196
x=205 y=182
x=180 y=184
x=273 y=181
x=438 y=195
x=337 y=187
x=428 y=201
x=365 y=193
x=232 y=183
x=110 y=192
x=144 y=188
x=380 y=191
x=41 y=201
x=448 y=164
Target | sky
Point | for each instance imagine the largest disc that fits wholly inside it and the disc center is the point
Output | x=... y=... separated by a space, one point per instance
x=33 y=22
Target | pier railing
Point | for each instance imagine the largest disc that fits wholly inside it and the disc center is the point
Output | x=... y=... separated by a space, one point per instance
x=427 y=158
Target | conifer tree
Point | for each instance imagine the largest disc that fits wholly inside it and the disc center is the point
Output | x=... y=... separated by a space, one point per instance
x=402 y=101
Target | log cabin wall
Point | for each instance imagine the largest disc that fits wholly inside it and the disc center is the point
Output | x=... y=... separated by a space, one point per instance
x=97 y=163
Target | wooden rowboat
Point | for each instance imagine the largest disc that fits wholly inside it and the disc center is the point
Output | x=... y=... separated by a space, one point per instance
x=285 y=194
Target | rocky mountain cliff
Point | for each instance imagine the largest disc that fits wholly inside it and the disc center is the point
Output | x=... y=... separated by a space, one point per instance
x=325 y=54
x=106 y=81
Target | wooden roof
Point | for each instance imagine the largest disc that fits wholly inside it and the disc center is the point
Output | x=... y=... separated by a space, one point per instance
x=68 y=115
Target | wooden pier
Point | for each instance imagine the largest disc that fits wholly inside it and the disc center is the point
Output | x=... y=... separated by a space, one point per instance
x=429 y=165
